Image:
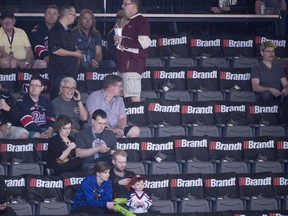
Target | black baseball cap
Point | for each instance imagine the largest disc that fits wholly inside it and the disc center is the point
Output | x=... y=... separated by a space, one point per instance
x=7 y=14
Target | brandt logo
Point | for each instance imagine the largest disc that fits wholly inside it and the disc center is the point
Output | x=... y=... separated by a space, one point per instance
x=183 y=143
x=73 y=181
x=172 y=41
x=225 y=75
x=192 y=74
x=186 y=183
x=205 y=43
x=281 y=145
x=239 y=44
x=149 y=146
x=169 y=75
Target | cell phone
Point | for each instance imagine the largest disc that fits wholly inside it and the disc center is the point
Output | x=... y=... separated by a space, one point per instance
x=75 y=94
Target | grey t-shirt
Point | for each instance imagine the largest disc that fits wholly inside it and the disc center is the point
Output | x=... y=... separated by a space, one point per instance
x=85 y=138
x=68 y=108
x=269 y=77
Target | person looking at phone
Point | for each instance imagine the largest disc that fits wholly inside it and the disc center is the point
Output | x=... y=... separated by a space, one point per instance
x=69 y=103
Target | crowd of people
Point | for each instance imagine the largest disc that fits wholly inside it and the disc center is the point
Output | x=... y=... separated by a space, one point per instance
x=82 y=137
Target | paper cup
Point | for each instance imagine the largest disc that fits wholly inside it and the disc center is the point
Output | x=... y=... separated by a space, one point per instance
x=118 y=31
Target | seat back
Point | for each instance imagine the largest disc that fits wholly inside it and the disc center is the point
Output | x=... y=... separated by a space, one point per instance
x=275 y=131
x=206 y=130
x=238 y=131
x=177 y=95
x=229 y=205
x=136 y=167
x=53 y=208
x=164 y=206
x=154 y=62
x=2 y=170
x=262 y=204
x=168 y=167
x=24 y=168
x=198 y=205
x=233 y=166
x=214 y=62
x=22 y=208
x=208 y=96
x=241 y=96
x=199 y=167
x=169 y=131
x=244 y=62
x=181 y=62
x=268 y=166
x=145 y=131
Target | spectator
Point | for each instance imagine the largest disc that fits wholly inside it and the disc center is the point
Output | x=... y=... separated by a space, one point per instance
x=63 y=52
x=61 y=150
x=89 y=41
x=36 y=112
x=94 y=195
x=5 y=210
x=39 y=34
x=15 y=46
x=132 y=49
x=138 y=201
x=9 y=117
x=119 y=176
x=111 y=45
x=273 y=7
x=95 y=142
x=269 y=79
x=109 y=100
x=226 y=6
x=69 y=103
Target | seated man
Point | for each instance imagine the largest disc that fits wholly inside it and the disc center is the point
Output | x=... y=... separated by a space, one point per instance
x=269 y=79
x=112 y=103
x=95 y=142
x=9 y=117
x=69 y=103
x=15 y=46
x=36 y=112
x=89 y=41
x=39 y=34
x=119 y=176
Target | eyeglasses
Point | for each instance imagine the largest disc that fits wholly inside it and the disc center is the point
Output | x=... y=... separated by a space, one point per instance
x=35 y=85
x=126 y=4
x=69 y=88
x=74 y=15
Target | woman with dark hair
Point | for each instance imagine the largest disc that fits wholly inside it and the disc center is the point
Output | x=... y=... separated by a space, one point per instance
x=61 y=149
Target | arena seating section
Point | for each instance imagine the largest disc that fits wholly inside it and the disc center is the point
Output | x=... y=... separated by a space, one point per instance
x=222 y=152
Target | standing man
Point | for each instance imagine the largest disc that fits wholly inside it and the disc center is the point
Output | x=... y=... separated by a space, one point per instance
x=119 y=176
x=63 y=52
x=269 y=79
x=69 y=103
x=132 y=49
x=39 y=34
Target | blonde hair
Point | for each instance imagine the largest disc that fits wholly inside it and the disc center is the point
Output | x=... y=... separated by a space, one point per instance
x=83 y=12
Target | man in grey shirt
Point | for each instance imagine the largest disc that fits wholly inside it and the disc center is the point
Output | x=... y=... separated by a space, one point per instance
x=269 y=79
x=69 y=103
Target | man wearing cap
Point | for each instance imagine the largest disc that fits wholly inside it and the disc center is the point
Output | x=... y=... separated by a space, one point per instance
x=269 y=79
x=15 y=46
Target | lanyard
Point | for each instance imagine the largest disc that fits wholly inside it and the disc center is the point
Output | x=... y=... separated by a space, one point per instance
x=84 y=41
x=10 y=40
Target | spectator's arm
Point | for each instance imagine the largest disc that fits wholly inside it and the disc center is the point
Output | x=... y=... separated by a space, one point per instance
x=38 y=46
x=98 y=53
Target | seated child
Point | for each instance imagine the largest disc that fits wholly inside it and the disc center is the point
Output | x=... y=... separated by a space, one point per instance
x=138 y=201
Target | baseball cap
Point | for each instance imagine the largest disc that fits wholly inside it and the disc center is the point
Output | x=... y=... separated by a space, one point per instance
x=7 y=14
x=136 y=178
x=267 y=44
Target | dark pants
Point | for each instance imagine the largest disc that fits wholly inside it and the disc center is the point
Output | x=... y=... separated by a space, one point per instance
x=73 y=165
